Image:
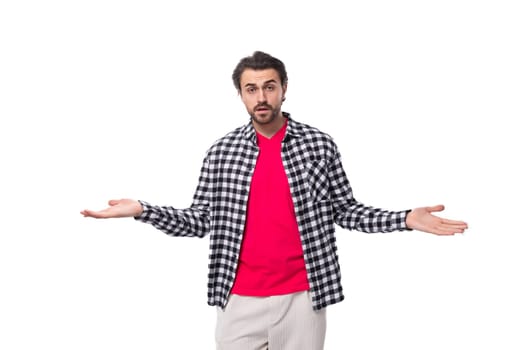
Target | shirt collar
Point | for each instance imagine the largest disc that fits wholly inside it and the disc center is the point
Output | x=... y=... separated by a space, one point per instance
x=292 y=130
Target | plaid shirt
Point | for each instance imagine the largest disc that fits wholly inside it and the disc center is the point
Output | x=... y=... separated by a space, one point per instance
x=320 y=191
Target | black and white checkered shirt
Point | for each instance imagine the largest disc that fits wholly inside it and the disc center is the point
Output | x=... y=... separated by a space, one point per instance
x=321 y=195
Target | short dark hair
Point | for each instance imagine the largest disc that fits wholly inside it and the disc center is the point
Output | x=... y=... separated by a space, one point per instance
x=259 y=61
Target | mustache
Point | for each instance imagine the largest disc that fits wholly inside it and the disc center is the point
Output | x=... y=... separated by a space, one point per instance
x=262 y=105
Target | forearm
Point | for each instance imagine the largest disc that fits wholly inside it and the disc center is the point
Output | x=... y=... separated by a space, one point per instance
x=357 y=216
x=191 y=222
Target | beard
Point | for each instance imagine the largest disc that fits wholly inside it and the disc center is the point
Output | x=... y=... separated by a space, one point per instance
x=264 y=113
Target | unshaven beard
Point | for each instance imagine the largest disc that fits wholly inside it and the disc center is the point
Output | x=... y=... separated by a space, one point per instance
x=274 y=114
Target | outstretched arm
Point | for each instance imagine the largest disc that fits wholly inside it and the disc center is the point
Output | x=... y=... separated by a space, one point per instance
x=422 y=219
x=193 y=221
x=118 y=208
x=349 y=213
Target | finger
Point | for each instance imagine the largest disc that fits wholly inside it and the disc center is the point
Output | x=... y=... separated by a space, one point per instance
x=455 y=222
x=459 y=224
x=445 y=231
x=439 y=207
x=451 y=229
x=87 y=213
x=102 y=214
x=113 y=202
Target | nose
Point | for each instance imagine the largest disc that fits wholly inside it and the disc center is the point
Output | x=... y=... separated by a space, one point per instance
x=261 y=96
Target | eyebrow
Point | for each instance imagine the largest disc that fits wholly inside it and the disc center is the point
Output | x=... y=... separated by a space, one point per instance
x=265 y=83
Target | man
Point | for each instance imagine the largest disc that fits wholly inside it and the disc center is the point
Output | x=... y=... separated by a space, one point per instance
x=269 y=195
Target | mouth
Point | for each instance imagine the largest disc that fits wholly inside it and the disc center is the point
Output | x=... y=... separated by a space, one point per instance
x=262 y=109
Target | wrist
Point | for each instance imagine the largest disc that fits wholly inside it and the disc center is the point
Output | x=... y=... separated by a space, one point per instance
x=409 y=220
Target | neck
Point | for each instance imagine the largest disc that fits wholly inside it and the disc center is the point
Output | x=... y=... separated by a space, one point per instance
x=270 y=129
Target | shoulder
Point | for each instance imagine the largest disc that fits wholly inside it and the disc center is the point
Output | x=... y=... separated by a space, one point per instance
x=317 y=140
x=312 y=132
x=228 y=143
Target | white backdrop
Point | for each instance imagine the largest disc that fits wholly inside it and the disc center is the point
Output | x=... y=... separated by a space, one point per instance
x=110 y=99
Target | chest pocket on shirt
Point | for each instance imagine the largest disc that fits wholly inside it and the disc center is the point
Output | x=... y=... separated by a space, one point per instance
x=316 y=172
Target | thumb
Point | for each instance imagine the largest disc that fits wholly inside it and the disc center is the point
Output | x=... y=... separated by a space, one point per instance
x=113 y=202
x=439 y=207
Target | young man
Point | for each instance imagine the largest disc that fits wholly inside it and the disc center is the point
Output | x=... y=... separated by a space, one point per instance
x=269 y=195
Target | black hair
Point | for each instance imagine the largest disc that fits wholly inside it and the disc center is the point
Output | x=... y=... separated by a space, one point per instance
x=259 y=61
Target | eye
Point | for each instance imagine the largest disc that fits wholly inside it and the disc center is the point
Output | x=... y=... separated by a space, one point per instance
x=251 y=90
x=270 y=87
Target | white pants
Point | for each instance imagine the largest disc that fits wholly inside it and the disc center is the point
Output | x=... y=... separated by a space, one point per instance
x=282 y=322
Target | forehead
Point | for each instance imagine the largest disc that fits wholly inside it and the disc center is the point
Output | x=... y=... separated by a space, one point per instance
x=258 y=77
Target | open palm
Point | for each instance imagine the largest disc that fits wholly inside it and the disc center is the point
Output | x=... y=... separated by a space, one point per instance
x=118 y=208
x=422 y=219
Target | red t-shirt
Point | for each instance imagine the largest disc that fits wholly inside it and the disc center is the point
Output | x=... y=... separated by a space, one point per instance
x=271 y=261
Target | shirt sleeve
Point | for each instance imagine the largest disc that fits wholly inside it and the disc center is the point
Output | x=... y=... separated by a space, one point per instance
x=350 y=214
x=191 y=222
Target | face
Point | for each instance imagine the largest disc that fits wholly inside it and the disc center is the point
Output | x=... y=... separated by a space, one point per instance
x=262 y=93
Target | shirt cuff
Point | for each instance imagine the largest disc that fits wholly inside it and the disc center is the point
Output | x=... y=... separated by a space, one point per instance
x=146 y=209
x=399 y=221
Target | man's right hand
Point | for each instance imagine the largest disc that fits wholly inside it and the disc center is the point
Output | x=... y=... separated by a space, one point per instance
x=118 y=208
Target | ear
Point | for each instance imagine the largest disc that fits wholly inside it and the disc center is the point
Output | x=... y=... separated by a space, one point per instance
x=285 y=87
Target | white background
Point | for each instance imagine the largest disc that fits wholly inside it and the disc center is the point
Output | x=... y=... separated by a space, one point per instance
x=110 y=99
